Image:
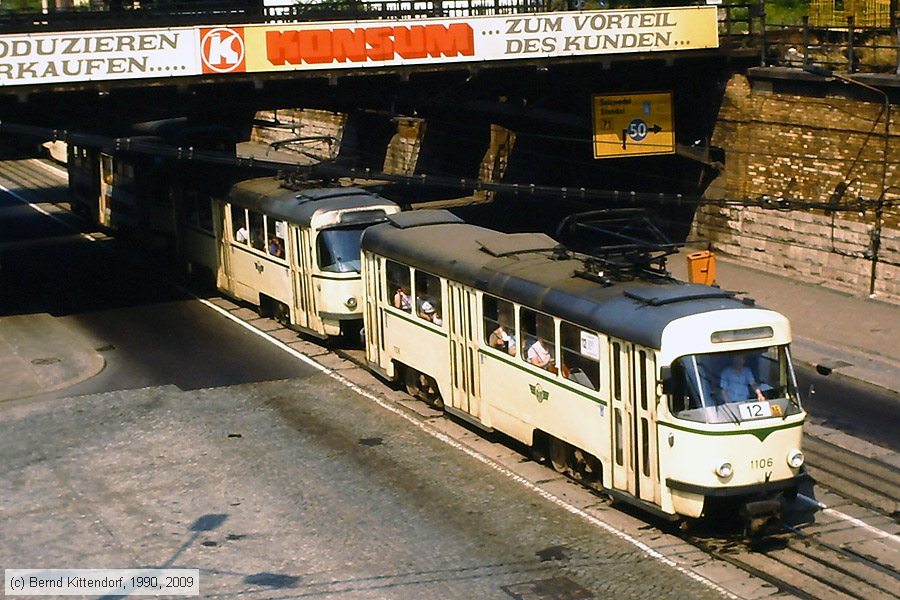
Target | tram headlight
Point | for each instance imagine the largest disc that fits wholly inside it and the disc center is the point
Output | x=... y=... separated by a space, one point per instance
x=724 y=469
x=350 y=303
x=795 y=459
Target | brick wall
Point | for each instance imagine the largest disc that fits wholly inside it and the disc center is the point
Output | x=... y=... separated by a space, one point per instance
x=799 y=147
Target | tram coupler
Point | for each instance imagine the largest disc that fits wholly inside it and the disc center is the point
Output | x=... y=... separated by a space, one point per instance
x=761 y=517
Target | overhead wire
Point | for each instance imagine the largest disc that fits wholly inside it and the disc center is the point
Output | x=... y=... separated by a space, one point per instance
x=140 y=145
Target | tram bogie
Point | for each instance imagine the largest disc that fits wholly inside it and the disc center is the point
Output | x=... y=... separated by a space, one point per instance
x=608 y=381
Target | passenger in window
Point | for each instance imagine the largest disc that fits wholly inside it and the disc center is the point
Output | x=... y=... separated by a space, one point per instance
x=257 y=240
x=424 y=309
x=437 y=319
x=401 y=298
x=737 y=381
x=275 y=248
x=501 y=339
x=539 y=356
x=241 y=235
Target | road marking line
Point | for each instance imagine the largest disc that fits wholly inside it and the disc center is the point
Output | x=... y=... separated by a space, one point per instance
x=16 y=196
x=862 y=524
x=838 y=514
x=425 y=427
x=58 y=171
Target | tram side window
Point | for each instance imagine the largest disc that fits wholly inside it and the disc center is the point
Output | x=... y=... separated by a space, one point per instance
x=257 y=233
x=239 y=224
x=124 y=174
x=580 y=353
x=398 y=286
x=198 y=210
x=275 y=234
x=499 y=324
x=537 y=337
x=429 y=303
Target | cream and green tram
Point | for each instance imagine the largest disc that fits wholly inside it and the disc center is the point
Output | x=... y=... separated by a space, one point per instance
x=295 y=253
x=618 y=382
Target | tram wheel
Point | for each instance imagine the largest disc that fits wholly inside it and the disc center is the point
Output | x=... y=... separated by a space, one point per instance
x=559 y=455
x=411 y=382
x=430 y=393
x=282 y=313
x=423 y=387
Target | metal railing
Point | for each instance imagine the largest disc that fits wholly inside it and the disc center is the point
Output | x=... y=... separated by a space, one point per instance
x=739 y=22
x=848 y=49
x=163 y=13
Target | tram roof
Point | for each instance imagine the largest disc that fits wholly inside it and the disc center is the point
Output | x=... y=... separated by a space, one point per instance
x=268 y=196
x=524 y=268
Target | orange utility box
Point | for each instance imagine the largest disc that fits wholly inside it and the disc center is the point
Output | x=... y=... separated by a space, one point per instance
x=702 y=267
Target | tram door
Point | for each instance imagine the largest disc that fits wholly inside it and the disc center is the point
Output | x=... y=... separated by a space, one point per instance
x=303 y=292
x=622 y=414
x=464 y=376
x=643 y=378
x=107 y=179
x=372 y=281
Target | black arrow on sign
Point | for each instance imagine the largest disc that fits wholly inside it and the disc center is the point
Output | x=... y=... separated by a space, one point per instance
x=656 y=128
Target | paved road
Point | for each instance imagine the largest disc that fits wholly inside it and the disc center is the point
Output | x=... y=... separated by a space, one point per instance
x=292 y=489
x=148 y=331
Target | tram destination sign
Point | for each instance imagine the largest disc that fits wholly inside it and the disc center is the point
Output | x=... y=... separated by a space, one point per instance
x=69 y=57
x=633 y=124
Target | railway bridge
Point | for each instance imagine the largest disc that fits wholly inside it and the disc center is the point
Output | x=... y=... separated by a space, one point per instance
x=679 y=101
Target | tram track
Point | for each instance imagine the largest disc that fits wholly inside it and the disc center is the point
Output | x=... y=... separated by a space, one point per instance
x=807 y=567
x=868 y=482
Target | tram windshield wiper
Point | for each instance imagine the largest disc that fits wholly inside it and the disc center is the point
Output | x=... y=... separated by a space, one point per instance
x=735 y=418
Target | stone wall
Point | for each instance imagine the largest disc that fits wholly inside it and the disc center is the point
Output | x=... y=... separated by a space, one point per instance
x=799 y=148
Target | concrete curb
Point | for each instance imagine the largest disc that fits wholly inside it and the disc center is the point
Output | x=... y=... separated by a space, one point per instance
x=41 y=354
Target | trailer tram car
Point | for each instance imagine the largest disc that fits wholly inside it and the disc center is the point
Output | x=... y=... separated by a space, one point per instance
x=294 y=253
x=126 y=192
x=621 y=383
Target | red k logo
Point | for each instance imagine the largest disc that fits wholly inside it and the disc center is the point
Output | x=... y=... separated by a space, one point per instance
x=222 y=50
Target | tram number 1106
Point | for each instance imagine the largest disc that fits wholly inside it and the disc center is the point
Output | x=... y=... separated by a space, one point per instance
x=761 y=463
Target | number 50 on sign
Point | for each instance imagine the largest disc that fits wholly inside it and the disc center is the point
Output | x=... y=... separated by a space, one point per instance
x=633 y=124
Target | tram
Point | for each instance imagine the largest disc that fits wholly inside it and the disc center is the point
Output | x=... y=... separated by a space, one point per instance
x=620 y=382
x=294 y=252
x=141 y=195
x=112 y=190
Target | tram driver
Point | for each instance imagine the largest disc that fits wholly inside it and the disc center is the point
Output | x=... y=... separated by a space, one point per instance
x=737 y=381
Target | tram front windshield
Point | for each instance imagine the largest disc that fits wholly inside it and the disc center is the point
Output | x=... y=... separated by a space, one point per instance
x=733 y=387
x=338 y=249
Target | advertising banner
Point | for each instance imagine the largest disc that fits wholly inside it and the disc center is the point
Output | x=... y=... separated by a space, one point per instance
x=440 y=41
x=190 y=51
x=29 y=59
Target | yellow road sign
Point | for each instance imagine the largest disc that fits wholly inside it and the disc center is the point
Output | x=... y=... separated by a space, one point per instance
x=633 y=125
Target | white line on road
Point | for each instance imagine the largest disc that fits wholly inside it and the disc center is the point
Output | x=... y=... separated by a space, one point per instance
x=38 y=208
x=472 y=453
